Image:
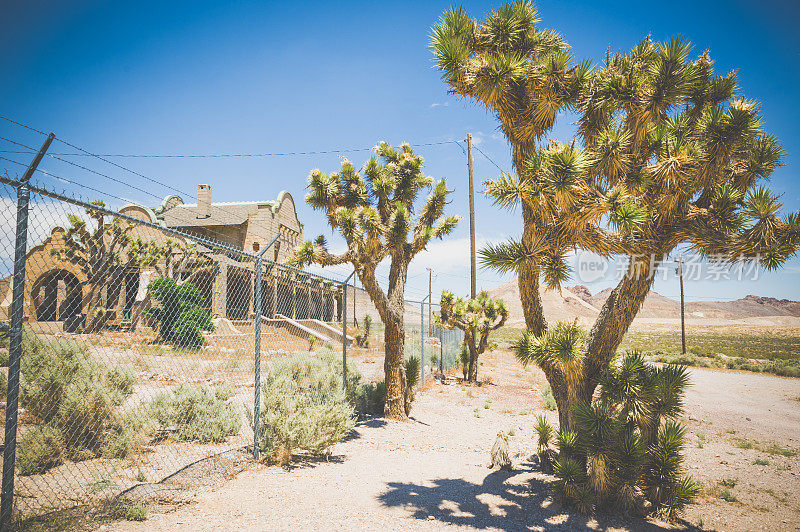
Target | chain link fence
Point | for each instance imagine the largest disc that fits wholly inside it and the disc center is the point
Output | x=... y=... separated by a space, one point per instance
x=139 y=349
x=132 y=352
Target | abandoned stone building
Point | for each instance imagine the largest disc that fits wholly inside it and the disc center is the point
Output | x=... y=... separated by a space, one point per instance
x=56 y=288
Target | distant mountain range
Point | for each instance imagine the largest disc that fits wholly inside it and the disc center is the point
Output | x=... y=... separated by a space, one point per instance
x=578 y=302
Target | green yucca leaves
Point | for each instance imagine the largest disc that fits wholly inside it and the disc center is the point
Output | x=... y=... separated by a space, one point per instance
x=544 y=432
x=506 y=257
x=760 y=204
x=567 y=442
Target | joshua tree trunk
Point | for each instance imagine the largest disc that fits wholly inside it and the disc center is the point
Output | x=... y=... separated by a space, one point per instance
x=394 y=366
x=613 y=322
x=92 y=321
x=602 y=342
x=472 y=368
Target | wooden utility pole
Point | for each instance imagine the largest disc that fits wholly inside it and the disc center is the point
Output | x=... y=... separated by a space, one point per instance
x=430 y=310
x=473 y=278
x=683 y=322
x=355 y=321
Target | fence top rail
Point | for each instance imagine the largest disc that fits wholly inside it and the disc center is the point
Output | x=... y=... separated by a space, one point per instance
x=204 y=241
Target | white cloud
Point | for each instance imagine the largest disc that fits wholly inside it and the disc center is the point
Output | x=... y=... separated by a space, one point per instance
x=440 y=104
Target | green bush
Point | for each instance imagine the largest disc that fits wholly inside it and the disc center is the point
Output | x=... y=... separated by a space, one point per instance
x=304 y=406
x=189 y=413
x=39 y=449
x=130 y=433
x=370 y=399
x=180 y=316
x=628 y=445
x=198 y=413
x=3 y=385
x=74 y=398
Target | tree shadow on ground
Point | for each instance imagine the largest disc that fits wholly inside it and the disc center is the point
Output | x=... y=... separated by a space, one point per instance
x=307 y=460
x=369 y=423
x=505 y=500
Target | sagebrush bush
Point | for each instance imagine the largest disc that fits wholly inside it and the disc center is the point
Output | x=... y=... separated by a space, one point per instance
x=130 y=434
x=39 y=449
x=547 y=397
x=304 y=406
x=198 y=413
x=73 y=397
x=187 y=413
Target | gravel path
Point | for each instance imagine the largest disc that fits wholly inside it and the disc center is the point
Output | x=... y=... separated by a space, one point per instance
x=431 y=472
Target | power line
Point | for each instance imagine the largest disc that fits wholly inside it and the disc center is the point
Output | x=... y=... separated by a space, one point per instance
x=488 y=158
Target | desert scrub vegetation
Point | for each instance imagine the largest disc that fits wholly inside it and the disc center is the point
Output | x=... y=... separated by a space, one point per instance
x=711 y=344
x=73 y=398
x=304 y=406
x=781 y=367
x=627 y=448
x=547 y=397
x=198 y=413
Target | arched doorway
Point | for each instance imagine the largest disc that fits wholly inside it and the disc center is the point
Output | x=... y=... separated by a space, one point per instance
x=56 y=295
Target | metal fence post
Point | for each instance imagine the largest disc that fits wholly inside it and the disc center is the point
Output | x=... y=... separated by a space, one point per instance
x=15 y=339
x=422 y=340
x=344 y=331
x=257 y=341
x=257 y=354
x=441 y=354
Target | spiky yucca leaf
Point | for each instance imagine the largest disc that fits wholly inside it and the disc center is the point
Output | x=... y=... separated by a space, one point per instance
x=681 y=493
x=544 y=432
x=571 y=486
x=663 y=463
x=567 y=442
x=508 y=256
x=629 y=461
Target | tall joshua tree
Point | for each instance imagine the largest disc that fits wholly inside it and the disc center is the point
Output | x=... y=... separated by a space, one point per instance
x=99 y=252
x=375 y=215
x=477 y=318
x=666 y=154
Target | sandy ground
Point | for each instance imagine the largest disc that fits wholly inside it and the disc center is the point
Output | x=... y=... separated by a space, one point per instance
x=431 y=472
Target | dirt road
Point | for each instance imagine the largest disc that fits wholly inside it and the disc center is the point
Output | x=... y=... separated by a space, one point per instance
x=432 y=472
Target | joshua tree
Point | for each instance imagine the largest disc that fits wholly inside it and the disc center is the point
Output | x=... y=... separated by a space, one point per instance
x=477 y=318
x=99 y=253
x=667 y=154
x=375 y=214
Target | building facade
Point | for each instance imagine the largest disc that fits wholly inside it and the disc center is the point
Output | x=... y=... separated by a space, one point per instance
x=57 y=288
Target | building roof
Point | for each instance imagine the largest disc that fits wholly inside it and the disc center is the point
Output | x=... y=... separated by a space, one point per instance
x=188 y=215
x=175 y=213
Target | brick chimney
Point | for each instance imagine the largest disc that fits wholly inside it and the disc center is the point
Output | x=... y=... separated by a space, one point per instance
x=203 y=201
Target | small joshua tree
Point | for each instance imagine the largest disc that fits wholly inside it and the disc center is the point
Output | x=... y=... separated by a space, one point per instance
x=375 y=215
x=477 y=318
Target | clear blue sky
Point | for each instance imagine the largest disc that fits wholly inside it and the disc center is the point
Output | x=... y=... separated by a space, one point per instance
x=254 y=77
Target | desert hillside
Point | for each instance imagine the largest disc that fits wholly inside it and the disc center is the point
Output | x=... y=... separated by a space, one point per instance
x=578 y=302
